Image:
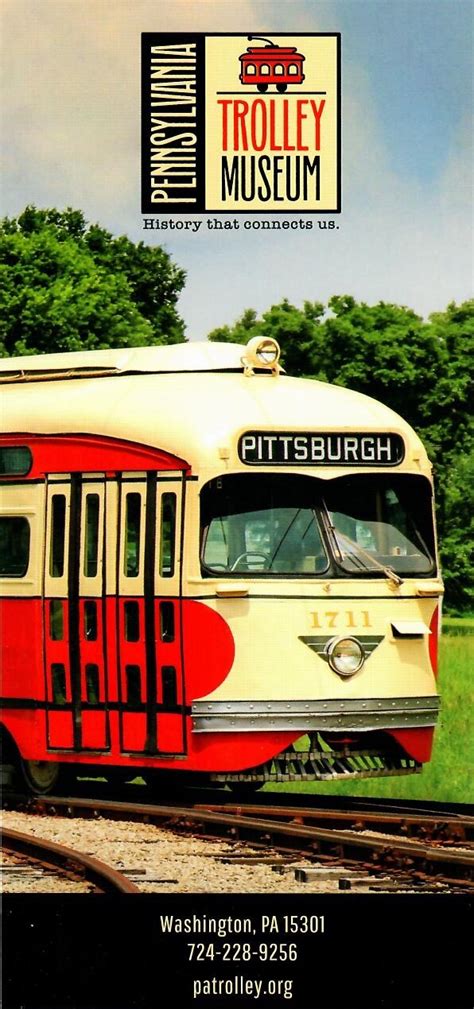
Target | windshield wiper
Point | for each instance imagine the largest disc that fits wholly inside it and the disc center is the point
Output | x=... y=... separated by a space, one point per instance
x=356 y=554
x=362 y=554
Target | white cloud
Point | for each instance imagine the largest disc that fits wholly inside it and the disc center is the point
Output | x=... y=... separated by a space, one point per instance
x=72 y=96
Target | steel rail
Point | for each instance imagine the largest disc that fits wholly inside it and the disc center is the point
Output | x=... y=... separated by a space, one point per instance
x=220 y=797
x=315 y=840
x=49 y=853
x=456 y=827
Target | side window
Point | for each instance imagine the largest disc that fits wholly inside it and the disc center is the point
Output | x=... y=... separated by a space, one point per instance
x=56 y=620
x=58 y=679
x=92 y=683
x=92 y=535
x=90 y=619
x=15 y=460
x=170 y=693
x=58 y=526
x=167 y=621
x=132 y=674
x=168 y=535
x=132 y=621
x=132 y=535
x=14 y=546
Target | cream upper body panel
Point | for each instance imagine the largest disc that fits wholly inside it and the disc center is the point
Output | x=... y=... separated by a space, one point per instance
x=280 y=651
x=191 y=400
x=196 y=356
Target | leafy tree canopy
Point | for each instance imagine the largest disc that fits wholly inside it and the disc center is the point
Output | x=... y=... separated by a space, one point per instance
x=66 y=285
x=457 y=540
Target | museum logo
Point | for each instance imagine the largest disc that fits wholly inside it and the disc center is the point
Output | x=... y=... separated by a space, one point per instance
x=228 y=129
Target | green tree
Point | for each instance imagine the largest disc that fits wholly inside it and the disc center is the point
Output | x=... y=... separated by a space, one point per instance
x=385 y=351
x=457 y=534
x=449 y=435
x=66 y=286
x=448 y=402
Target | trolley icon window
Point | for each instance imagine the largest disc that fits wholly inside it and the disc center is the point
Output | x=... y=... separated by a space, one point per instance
x=271 y=64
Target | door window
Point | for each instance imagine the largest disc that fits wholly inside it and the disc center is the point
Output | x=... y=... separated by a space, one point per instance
x=168 y=535
x=132 y=535
x=91 y=547
x=58 y=527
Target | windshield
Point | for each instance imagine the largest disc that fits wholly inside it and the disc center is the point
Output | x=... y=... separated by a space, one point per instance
x=381 y=521
x=263 y=525
x=275 y=525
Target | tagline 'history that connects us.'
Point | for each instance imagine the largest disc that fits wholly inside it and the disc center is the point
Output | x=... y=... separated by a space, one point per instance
x=233 y=224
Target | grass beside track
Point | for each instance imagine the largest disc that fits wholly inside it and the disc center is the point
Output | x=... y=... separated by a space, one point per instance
x=449 y=777
x=458 y=625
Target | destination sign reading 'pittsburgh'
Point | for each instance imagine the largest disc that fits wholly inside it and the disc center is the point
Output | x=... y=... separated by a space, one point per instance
x=240 y=123
x=287 y=448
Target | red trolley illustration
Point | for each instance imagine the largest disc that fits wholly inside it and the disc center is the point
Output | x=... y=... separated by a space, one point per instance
x=271 y=64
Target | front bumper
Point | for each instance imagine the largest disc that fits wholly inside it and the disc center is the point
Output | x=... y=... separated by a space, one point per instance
x=303 y=716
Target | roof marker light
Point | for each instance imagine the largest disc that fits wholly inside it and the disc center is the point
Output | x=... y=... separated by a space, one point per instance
x=261 y=352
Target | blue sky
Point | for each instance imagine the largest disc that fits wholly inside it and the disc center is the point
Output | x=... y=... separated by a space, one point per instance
x=418 y=56
x=71 y=116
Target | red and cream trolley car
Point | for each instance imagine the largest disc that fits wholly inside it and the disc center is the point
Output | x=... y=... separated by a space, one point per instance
x=208 y=566
x=271 y=64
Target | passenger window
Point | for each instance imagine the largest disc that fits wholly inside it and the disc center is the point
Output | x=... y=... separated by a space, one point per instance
x=91 y=545
x=170 y=692
x=56 y=620
x=58 y=527
x=134 y=695
x=167 y=621
x=15 y=460
x=90 y=620
x=132 y=621
x=14 y=546
x=58 y=679
x=168 y=535
x=132 y=535
x=92 y=683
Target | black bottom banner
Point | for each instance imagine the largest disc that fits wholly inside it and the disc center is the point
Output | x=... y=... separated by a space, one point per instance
x=348 y=951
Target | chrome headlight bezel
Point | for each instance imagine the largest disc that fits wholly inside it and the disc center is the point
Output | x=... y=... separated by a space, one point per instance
x=333 y=657
x=262 y=352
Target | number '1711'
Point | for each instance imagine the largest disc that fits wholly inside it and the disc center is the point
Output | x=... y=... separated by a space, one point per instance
x=344 y=618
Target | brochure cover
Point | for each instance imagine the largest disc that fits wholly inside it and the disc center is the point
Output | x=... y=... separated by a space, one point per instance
x=236 y=357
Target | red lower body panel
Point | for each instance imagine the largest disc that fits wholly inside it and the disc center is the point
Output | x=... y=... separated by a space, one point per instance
x=44 y=725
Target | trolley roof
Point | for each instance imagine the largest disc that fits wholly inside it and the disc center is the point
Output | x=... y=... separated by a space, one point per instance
x=192 y=400
x=198 y=356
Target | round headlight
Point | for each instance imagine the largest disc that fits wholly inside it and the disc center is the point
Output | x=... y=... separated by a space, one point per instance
x=345 y=656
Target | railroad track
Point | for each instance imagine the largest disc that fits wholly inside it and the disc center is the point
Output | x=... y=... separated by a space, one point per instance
x=48 y=855
x=450 y=829
x=416 y=847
